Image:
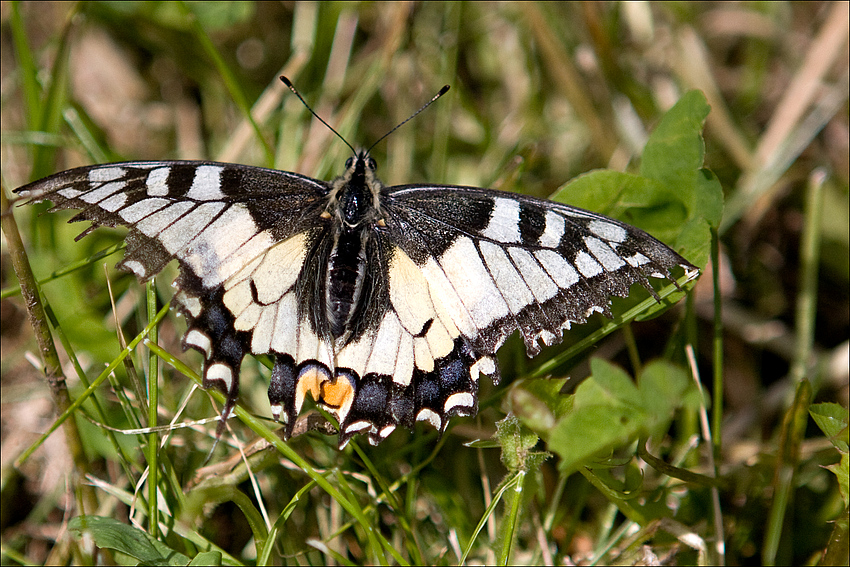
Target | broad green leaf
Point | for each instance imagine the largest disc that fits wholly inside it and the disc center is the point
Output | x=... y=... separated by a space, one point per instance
x=833 y=420
x=609 y=410
x=674 y=156
x=674 y=198
x=675 y=149
x=112 y=534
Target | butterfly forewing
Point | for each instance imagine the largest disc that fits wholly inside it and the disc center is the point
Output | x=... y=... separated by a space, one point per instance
x=515 y=262
x=382 y=303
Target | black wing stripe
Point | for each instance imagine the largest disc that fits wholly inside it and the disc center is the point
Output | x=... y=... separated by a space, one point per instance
x=532 y=223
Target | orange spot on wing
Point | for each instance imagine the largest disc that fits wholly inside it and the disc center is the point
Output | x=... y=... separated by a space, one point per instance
x=310 y=382
x=337 y=393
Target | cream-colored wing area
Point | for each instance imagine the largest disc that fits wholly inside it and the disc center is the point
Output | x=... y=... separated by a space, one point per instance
x=412 y=365
x=420 y=314
x=491 y=290
x=259 y=302
x=262 y=299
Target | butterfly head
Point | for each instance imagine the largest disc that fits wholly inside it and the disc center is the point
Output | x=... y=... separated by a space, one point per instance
x=360 y=168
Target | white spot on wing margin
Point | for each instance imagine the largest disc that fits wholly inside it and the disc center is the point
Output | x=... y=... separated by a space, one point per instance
x=222 y=372
x=197 y=339
x=464 y=399
x=430 y=416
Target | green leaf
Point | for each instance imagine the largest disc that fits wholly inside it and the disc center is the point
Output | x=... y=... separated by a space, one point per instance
x=832 y=419
x=112 y=534
x=633 y=199
x=841 y=470
x=539 y=402
x=674 y=198
x=675 y=149
x=662 y=388
x=674 y=156
x=207 y=558
x=517 y=441
x=609 y=410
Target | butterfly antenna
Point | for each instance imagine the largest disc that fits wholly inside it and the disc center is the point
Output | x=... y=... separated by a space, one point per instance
x=443 y=91
x=289 y=84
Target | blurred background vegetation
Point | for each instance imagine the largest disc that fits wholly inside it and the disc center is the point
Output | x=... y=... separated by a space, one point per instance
x=541 y=92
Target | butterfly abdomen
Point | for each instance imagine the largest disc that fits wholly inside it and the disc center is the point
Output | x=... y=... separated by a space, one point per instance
x=346 y=271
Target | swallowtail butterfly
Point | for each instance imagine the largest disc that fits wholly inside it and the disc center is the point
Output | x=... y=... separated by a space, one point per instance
x=384 y=304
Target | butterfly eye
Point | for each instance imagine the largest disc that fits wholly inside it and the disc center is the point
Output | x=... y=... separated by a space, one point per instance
x=349 y=162
x=371 y=164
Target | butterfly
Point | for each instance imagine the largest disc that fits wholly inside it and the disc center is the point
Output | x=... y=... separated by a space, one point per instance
x=384 y=304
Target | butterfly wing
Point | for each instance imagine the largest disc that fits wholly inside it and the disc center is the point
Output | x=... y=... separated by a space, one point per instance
x=450 y=273
x=461 y=269
x=218 y=221
x=501 y=262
